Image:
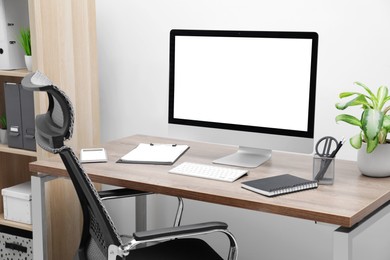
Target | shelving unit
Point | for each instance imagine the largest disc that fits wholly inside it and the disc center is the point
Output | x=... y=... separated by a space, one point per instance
x=63 y=41
x=13 y=162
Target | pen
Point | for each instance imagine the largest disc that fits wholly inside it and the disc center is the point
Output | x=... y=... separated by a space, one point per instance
x=325 y=166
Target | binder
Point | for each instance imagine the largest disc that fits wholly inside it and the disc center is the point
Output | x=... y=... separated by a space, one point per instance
x=13 y=113
x=28 y=118
x=19 y=108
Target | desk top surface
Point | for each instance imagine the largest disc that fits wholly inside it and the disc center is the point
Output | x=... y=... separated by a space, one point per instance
x=349 y=200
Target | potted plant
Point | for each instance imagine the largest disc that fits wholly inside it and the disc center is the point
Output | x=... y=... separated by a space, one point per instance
x=3 y=129
x=25 y=42
x=374 y=124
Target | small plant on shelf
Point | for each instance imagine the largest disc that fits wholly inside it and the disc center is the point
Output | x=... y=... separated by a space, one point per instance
x=25 y=40
x=3 y=129
x=3 y=122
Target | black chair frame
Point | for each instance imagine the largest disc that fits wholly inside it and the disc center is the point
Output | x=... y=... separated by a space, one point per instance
x=100 y=239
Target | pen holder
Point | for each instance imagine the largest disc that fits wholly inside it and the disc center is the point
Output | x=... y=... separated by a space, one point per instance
x=323 y=169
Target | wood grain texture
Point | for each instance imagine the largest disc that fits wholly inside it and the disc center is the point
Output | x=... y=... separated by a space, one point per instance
x=63 y=38
x=349 y=200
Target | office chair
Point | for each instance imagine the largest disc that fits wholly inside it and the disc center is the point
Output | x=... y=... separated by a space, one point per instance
x=100 y=238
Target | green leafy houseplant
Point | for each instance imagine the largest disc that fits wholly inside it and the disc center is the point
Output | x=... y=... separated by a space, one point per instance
x=374 y=121
x=25 y=40
x=3 y=122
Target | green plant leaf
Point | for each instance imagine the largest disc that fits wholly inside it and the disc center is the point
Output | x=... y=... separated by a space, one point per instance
x=382 y=136
x=3 y=122
x=25 y=40
x=386 y=122
x=356 y=141
x=359 y=100
x=371 y=144
x=373 y=97
x=348 y=94
x=348 y=119
x=382 y=95
x=372 y=123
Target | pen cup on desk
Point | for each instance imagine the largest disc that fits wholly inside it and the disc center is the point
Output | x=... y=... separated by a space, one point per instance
x=323 y=169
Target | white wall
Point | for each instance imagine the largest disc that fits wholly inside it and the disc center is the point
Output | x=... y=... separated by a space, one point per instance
x=133 y=40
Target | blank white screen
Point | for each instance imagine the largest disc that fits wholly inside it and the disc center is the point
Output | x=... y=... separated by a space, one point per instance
x=261 y=82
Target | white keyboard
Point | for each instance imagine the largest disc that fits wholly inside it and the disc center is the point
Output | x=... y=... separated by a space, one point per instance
x=213 y=172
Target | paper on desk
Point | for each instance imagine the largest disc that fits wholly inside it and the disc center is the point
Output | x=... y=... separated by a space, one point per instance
x=154 y=153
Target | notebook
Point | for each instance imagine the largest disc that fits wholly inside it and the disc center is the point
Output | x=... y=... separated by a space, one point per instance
x=154 y=153
x=278 y=185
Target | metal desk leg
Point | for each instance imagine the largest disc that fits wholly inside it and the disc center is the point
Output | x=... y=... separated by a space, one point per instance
x=342 y=245
x=39 y=215
x=140 y=213
x=343 y=237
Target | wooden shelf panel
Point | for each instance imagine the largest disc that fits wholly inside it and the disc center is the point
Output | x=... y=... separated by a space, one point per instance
x=14 y=224
x=15 y=73
x=4 y=148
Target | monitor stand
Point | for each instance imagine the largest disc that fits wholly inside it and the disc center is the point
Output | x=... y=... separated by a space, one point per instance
x=246 y=157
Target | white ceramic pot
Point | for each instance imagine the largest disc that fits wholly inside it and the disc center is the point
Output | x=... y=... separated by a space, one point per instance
x=28 y=60
x=376 y=163
x=3 y=136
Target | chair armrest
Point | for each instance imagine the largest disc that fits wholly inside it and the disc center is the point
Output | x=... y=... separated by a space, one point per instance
x=179 y=231
x=120 y=193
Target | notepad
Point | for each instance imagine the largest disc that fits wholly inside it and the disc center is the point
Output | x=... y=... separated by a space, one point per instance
x=278 y=185
x=90 y=155
x=154 y=153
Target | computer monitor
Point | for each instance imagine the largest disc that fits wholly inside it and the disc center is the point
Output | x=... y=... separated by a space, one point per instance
x=252 y=89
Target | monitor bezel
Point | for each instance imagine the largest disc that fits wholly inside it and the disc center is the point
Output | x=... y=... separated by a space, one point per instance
x=309 y=133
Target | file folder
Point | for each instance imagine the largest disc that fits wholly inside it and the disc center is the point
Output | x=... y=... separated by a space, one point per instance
x=13 y=113
x=19 y=107
x=28 y=118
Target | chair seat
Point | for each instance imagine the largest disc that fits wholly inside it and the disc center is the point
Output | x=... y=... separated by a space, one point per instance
x=176 y=249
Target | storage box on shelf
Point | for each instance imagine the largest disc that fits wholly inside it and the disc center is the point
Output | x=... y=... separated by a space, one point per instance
x=17 y=203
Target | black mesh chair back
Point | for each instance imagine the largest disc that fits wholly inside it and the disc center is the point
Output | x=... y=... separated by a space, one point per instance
x=52 y=129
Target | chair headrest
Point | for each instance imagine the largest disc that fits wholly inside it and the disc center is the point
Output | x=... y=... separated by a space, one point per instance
x=56 y=125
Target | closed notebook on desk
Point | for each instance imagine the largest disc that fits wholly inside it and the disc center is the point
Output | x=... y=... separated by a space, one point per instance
x=278 y=185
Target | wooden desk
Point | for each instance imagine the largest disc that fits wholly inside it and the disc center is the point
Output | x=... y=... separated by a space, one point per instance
x=351 y=200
